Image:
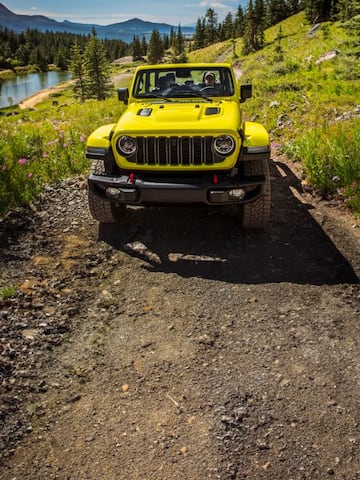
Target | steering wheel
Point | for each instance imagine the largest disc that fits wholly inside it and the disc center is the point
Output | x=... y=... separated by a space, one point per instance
x=209 y=88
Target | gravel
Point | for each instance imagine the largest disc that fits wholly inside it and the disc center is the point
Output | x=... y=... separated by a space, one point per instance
x=176 y=345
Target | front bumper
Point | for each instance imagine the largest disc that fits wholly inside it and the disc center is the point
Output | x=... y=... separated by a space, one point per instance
x=148 y=190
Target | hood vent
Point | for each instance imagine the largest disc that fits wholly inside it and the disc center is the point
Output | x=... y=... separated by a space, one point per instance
x=144 y=112
x=212 y=111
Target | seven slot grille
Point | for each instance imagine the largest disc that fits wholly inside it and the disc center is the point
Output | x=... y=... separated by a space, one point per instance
x=175 y=151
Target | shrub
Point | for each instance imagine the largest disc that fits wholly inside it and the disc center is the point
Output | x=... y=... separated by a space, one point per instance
x=37 y=148
x=331 y=160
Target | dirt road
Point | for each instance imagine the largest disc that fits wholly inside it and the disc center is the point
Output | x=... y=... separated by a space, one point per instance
x=177 y=346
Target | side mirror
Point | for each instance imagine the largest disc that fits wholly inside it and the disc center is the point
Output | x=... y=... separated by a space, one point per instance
x=245 y=92
x=123 y=95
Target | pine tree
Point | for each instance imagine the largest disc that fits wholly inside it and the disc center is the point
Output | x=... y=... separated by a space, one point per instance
x=227 y=27
x=348 y=9
x=61 y=60
x=179 y=42
x=352 y=27
x=97 y=69
x=260 y=24
x=276 y=10
x=5 y=52
x=199 y=34
x=293 y=6
x=254 y=37
x=144 y=46
x=78 y=72
x=250 y=29
x=319 y=10
x=211 y=27
x=136 y=49
x=239 y=26
x=23 y=53
x=155 y=48
x=172 y=40
x=37 y=58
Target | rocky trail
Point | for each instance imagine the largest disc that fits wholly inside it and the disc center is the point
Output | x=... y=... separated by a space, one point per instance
x=177 y=346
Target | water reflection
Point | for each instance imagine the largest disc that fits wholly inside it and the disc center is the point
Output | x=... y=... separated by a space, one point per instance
x=14 y=90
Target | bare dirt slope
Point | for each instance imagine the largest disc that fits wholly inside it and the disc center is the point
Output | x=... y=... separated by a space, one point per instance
x=177 y=346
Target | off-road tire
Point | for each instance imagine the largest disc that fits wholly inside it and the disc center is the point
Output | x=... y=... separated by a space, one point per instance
x=255 y=215
x=102 y=210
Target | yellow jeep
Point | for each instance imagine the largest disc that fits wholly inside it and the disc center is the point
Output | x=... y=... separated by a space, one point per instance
x=181 y=141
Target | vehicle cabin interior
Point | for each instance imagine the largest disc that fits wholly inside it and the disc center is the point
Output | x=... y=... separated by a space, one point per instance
x=182 y=82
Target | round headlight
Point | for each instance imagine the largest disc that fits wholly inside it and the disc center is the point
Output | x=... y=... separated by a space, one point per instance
x=127 y=145
x=224 y=145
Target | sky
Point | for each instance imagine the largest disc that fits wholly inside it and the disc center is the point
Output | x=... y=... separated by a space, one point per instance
x=106 y=12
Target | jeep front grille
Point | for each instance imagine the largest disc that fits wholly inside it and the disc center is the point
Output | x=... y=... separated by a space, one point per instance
x=175 y=151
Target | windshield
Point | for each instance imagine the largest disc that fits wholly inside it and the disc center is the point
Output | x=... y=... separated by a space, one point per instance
x=183 y=82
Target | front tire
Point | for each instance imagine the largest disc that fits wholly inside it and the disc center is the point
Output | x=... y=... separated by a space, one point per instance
x=255 y=215
x=103 y=210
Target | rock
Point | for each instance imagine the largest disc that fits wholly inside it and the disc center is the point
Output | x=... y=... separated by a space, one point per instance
x=74 y=398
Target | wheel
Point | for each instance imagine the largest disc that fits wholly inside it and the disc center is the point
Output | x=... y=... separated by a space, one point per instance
x=105 y=211
x=102 y=210
x=256 y=214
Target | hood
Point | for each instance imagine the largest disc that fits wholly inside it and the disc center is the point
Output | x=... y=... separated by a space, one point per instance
x=180 y=116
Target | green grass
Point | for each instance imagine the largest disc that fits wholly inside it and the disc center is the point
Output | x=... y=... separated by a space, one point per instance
x=7 y=292
x=330 y=155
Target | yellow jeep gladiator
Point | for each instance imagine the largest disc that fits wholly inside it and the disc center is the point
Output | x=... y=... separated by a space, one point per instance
x=181 y=140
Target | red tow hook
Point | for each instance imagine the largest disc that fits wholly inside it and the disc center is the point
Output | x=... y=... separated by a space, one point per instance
x=132 y=178
x=215 y=179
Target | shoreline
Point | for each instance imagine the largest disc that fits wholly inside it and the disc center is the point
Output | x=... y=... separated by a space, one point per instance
x=41 y=95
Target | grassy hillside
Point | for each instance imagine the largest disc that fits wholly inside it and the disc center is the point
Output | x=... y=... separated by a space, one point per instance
x=286 y=72
x=307 y=93
x=310 y=107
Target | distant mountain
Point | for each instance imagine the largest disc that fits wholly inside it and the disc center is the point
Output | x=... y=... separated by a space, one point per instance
x=123 y=31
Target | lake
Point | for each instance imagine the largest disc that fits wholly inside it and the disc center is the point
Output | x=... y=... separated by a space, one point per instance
x=14 y=90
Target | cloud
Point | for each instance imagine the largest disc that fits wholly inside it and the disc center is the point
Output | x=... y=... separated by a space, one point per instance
x=213 y=4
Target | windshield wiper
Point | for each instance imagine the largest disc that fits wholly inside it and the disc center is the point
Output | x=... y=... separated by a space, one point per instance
x=193 y=94
x=155 y=95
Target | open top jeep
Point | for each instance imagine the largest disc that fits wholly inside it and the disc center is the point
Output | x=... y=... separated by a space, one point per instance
x=181 y=141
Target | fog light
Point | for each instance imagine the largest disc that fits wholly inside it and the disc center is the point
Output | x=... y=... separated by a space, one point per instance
x=237 y=193
x=112 y=192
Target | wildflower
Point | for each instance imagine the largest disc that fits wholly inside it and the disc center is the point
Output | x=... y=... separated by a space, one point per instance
x=82 y=138
x=22 y=161
x=29 y=175
x=45 y=155
x=65 y=145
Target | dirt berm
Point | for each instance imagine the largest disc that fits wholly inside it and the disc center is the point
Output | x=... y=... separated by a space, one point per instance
x=176 y=346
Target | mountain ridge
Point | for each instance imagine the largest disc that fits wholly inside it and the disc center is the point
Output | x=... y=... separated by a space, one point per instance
x=121 y=31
